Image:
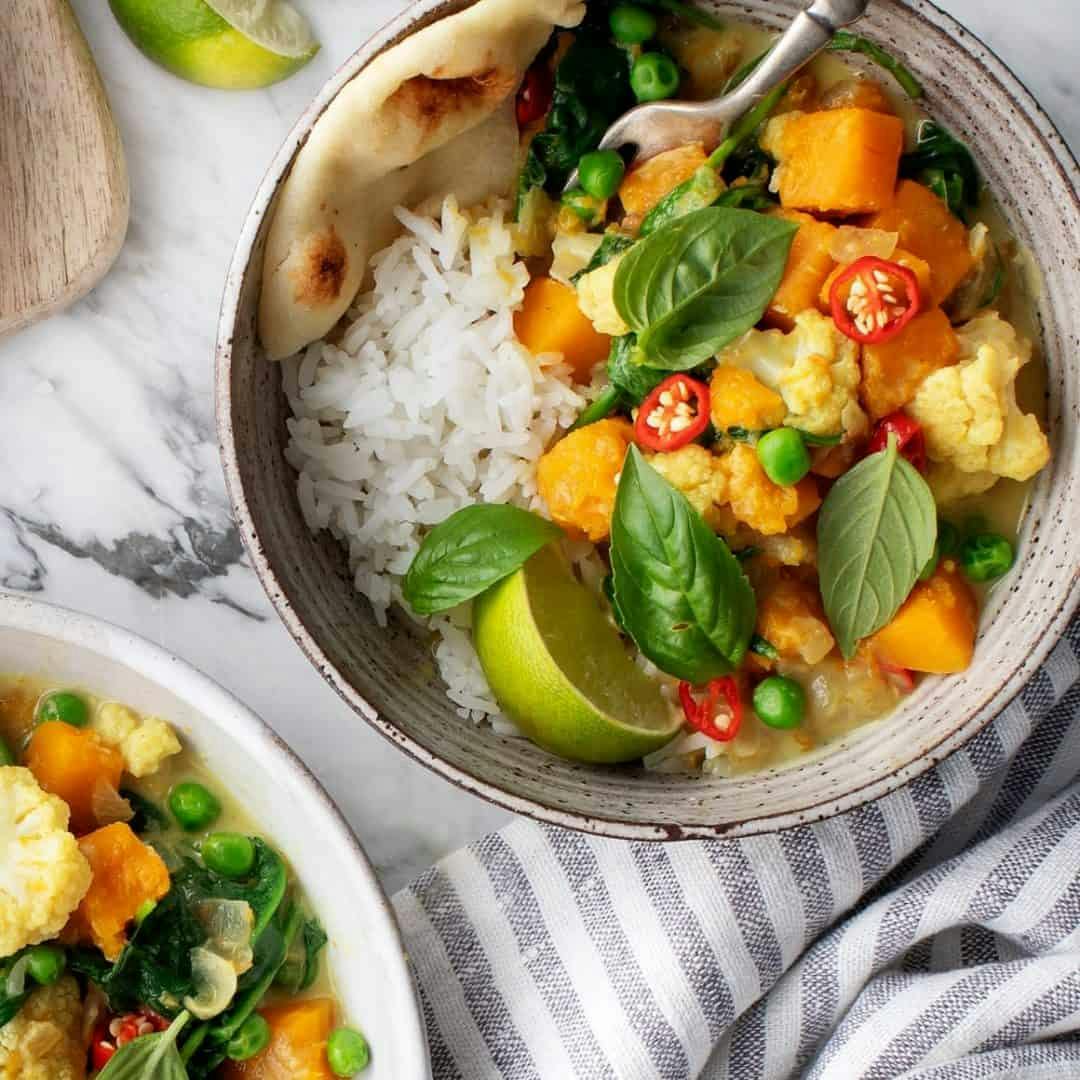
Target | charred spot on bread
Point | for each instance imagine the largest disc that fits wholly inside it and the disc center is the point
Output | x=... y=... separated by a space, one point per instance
x=318 y=272
x=429 y=101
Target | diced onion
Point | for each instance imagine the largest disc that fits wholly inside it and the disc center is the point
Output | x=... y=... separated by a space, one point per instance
x=850 y=243
x=215 y=984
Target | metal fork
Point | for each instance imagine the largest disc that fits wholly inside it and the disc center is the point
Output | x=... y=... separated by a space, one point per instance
x=661 y=125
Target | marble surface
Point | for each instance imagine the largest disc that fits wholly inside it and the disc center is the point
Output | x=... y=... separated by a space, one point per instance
x=112 y=499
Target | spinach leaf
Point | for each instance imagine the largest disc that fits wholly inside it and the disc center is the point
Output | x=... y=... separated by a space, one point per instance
x=695 y=285
x=753 y=196
x=149 y=1057
x=301 y=966
x=592 y=88
x=612 y=244
x=876 y=532
x=764 y=647
x=608 y=401
x=679 y=591
x=634 y=381
x=845 y=41
x=701 y=189
x=470 y=551
x=945 y=165
x=149 y=817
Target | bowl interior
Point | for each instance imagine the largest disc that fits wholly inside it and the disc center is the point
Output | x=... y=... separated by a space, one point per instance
x=365 y=955
x=387 y=674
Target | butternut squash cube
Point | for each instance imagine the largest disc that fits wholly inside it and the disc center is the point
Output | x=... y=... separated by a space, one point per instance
x=809 y=265
x=934 y=631
x=739 y=399
x=892 y=371
x=646 y=184
x=299 y=1031
x=836 y=161
x=929 y=230
x=71 y=763
x=127 y=874
x=550 y=321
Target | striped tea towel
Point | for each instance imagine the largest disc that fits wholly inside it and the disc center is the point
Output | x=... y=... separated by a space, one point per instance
x=934 y=934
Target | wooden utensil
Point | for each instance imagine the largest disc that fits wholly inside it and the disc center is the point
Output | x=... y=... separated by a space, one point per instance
x=63 y=181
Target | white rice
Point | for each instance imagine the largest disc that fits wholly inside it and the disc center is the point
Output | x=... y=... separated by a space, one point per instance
x=427 y=403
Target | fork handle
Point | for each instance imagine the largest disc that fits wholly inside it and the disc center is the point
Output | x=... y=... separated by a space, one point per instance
x=810 y=31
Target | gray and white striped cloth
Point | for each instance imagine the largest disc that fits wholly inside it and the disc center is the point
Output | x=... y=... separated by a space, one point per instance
x=934 y=934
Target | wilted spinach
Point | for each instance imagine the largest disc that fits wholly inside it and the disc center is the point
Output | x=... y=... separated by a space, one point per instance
x=611 y=245
x=845 y=41
x=945 y=165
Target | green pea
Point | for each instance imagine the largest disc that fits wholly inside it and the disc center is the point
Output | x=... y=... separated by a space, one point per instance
x=229 y=854
x=347 y=1052
x=631 y=25
x=783 y=455
x=653 y=77
x=64 y=706
x=252 y=1036
x=7 y=755
x=780 y=702
x=46 y=964
x=948 y=539
x=193 y=806
x=601 y=172
x=986 y=557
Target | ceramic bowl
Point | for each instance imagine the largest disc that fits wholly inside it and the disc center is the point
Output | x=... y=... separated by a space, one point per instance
x=365 y=954
x=386 y=674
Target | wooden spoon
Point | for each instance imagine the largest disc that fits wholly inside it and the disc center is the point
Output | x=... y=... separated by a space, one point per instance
x=63 y=181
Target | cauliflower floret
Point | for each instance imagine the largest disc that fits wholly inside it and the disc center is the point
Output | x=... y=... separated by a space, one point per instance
x=969 y=412
x=754 y=499
x=43 y=874
x=815 y=369
x=950 y=485
x=44 y=1041
x=699 y=476
x=145 y=741
x=596 y=298
x=571 y=253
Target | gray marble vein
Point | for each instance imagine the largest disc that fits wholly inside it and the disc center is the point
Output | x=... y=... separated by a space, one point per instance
x=112 y=499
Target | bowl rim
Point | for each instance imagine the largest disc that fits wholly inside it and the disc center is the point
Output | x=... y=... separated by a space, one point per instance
x=214 y=704
x=417 y=15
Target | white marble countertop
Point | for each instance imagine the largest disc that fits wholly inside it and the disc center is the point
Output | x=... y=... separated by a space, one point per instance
x=112 y=499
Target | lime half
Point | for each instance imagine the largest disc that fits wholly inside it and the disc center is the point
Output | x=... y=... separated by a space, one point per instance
x=561 y=671
x=230 y=44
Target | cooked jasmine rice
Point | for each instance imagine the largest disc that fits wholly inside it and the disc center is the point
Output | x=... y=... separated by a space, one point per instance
x=423 y=403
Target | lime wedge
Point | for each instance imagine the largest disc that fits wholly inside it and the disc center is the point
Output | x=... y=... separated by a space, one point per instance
x=561 y=671
x=229 y=44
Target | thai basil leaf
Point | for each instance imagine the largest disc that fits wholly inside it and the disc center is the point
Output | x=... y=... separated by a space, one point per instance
x=149 y=1057
x=945 y=165
x=697 y=284
x=845 y=41
x=876 y=532
x=612 y=244
x=470 y=551
x=679 y=591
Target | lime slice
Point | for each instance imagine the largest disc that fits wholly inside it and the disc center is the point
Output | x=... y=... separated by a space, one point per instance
x=230 y=44
x=561 y=671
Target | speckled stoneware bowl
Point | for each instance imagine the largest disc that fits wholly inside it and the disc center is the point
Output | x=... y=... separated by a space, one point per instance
x=365 y=955
x=386 y=675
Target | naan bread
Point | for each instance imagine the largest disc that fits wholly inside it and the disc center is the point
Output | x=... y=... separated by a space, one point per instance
x=430 y=116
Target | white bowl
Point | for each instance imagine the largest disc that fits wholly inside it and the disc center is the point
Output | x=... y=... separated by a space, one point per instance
x=367 y=960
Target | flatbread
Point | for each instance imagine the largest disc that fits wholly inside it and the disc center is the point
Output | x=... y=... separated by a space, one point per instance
x=430 y=116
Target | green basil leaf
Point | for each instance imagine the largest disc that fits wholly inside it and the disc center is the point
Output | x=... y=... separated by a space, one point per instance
x=698 y=283
x=679 y=591
x=149 y=1057
x=469 y=552
x=876 y=532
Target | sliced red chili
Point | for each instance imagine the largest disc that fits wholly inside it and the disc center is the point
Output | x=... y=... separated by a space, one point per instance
x=702 y=715
x=673 y=415
x=901 y=677
x=874 y=299
x=910 y=440
x=102 y=1045
x=534 y=94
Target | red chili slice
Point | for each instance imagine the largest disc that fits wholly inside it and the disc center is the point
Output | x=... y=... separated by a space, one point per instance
x=701 y=715
x=534 y=95
x=102 y=1045
x=874 y=299
x=910 y=440
x=674 y=414
x=901 y=677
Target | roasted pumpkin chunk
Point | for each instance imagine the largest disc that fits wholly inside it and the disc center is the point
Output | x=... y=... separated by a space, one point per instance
x=808 y=267
x=550 y=321
x=646 y=184
x=299 y=1031
x=739 y=399
x=893 y=370
x=836 y=161
x=127 y=875
x=927 y=229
